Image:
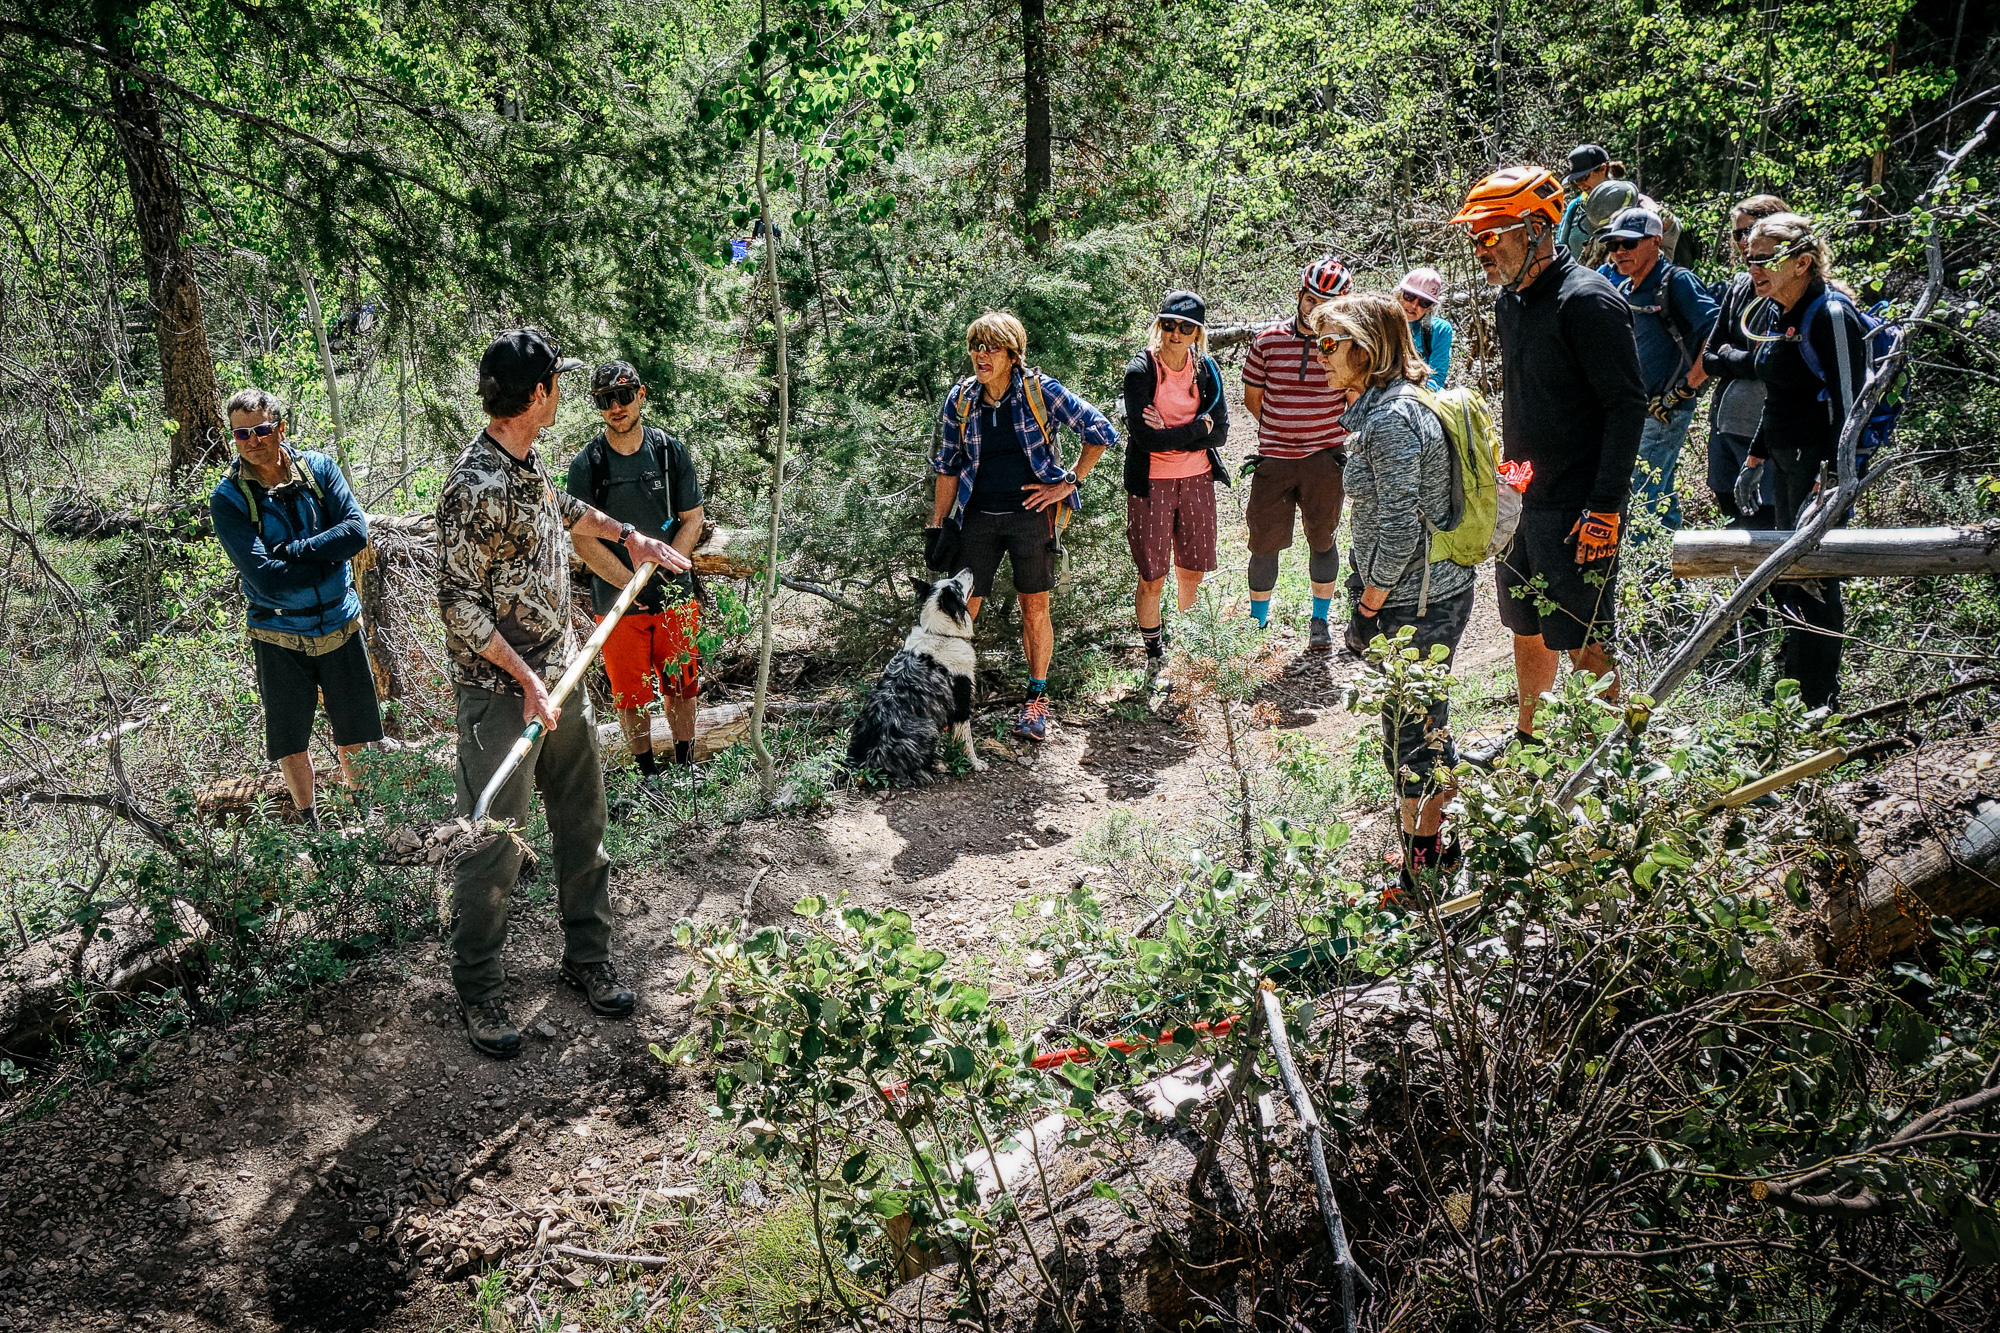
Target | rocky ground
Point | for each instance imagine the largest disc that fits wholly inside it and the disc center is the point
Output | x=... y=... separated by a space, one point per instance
x=348 y=1162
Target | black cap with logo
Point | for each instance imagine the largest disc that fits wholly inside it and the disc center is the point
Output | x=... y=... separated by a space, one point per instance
x=1584 y=159
x=519 y=359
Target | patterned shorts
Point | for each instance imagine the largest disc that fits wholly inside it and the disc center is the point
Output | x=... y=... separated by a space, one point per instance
x=1173 y=526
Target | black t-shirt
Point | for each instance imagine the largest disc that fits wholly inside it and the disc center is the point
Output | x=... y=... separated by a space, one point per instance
x=636 y=491
x=1000 y=485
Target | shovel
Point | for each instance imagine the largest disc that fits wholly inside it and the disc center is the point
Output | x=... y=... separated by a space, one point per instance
x=561 y=692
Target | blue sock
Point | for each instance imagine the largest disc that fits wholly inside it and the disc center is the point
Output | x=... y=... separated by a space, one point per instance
x=1321 y=605
x=1037 y=687
x=1261 y=611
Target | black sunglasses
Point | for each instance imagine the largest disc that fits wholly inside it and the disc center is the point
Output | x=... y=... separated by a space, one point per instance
x=1180 y=326
x=1623 y=244
x=260 y=431
x=1741 y=234
x=604 y=398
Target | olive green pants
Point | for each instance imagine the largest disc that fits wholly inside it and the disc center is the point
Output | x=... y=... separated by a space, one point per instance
x=564 y=766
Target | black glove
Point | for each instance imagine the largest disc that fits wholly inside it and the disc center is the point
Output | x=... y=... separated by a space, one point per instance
x=1749 y=487
x=1250 y=465
x=1362 y=627
x=941 y=546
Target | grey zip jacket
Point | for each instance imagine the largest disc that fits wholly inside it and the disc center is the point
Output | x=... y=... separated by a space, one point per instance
x=1398 y=473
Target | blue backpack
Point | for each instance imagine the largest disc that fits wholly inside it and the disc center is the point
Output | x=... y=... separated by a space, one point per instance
x=1879 y=339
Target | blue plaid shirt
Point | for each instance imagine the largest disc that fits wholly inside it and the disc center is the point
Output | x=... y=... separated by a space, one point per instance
x=958 y=450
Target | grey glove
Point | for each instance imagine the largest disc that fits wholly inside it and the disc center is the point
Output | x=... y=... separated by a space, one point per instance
x=1749 y=486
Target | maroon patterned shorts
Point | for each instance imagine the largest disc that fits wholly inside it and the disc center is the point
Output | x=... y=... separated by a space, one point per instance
x=1173 y=526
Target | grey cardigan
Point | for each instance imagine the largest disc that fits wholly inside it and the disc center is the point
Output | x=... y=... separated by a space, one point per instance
x=1398 y=463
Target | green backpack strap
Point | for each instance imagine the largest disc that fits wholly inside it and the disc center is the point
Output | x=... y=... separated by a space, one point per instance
x=299 y=465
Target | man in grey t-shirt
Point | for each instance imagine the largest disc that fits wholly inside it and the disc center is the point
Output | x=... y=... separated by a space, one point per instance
x=642 y=477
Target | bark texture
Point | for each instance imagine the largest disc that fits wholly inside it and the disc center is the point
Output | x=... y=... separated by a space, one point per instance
x=187 y=368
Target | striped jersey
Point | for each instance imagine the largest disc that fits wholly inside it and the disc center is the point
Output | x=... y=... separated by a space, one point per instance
x=1300 y=414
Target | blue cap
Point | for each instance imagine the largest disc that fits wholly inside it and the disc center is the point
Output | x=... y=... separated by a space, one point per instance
x=1634 y=224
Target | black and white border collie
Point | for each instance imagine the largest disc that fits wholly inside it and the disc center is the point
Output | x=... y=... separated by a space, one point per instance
x=926 y=688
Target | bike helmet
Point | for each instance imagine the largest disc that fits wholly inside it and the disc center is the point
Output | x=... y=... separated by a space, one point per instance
x=1326 y=277
x=1521 y=193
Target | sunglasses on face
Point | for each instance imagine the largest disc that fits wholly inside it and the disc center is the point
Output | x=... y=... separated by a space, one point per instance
x=1771 y=260
x=1417 y=301
x=1328 y=342
x=1740 y=234
x=1181 y=327
x=622 y=397
x=1486 y=240
x=986 y=348
x=244 y=433
x=1615 y=246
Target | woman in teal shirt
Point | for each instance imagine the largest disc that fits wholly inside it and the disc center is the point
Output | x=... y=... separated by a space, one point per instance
x=1420 y=293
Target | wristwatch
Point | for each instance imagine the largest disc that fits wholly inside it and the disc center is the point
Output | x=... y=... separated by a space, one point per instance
x=625 y=534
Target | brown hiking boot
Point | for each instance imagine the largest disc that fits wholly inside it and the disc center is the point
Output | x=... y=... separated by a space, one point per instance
x=599 y=984
x=490 y=1030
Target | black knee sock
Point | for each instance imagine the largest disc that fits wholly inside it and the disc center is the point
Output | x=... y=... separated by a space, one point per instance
x=1423 y=849
x=647 y=761
x=1156 y=639
x=684 y=753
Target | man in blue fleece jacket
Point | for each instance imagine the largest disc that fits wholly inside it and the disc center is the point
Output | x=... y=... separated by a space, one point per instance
x=291 y=525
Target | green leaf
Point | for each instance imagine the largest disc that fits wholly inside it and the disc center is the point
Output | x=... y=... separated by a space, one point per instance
x=808 y=906
x=959 y=1063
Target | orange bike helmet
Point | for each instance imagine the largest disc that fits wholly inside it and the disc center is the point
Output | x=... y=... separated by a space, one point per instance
x=1521 y=193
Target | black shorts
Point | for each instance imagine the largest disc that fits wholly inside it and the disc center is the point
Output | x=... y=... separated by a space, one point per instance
x=1028 y=539
x=1415 y=747
x=292 y=682
x=1544 y=591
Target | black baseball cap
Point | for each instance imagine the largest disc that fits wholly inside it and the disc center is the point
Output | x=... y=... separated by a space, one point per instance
x=1584 y=159
x=1184 y=305
x=519 y=359
x=615 y=375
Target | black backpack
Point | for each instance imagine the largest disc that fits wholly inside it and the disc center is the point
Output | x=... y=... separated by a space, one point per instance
x=658 y=445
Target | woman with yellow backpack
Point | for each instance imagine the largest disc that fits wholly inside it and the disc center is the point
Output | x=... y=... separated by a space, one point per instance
x=1412 y=508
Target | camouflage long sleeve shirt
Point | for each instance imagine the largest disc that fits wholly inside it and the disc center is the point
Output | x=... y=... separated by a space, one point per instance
x=503 y=565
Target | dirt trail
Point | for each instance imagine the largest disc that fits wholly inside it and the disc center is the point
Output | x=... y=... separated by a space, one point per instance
x=320 y=1167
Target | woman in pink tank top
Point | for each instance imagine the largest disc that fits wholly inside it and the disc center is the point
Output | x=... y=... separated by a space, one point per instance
x=1176 y=421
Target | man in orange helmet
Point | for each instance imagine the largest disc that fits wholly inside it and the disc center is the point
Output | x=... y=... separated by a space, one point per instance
x=1573 y=407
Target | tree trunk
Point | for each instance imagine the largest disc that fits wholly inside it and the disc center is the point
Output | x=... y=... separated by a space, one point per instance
x=1844 y=553
x=766 y=772
x=1035 y=105
x=187 y=369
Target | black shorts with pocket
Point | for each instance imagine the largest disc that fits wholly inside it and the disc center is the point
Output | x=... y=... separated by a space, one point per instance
x=292 y=682
x=1027 y=538
x=1415 y=747
x=1544 y=591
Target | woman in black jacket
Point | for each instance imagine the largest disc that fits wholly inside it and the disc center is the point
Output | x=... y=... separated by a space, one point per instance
x=1176 y=421
x=1807 y=401
x=1738 y=406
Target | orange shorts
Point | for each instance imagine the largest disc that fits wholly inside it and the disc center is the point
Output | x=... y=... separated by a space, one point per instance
x=646 y=647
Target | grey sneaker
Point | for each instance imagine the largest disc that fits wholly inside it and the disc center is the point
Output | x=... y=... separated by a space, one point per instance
x=599 y=984
x=490 y=1030
x=1322 y=637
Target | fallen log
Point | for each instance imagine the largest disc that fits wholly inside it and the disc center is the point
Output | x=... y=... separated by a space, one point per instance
x=715 y=729
x=1927 y=845
x=48 y=989
x=1843 y=553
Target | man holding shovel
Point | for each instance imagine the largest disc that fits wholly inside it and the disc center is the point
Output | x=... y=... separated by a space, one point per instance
x=504 y=542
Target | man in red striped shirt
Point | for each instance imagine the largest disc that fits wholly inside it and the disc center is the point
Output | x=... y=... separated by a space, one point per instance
x=1297 y=466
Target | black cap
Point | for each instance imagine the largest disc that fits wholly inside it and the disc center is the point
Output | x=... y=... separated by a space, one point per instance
x=615 y=375
x=1584 y=159
x=1184 y=305
x=519 y=359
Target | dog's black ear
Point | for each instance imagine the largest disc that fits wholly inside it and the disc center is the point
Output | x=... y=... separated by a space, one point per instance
x=951 y=599
x=923 y=587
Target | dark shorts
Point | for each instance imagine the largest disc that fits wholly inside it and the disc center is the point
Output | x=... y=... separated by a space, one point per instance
x=1544 y=591
x=292 y=684
x=1027 y=539
x=1172 y=526
x=1415 y=747
x=1312 y=487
